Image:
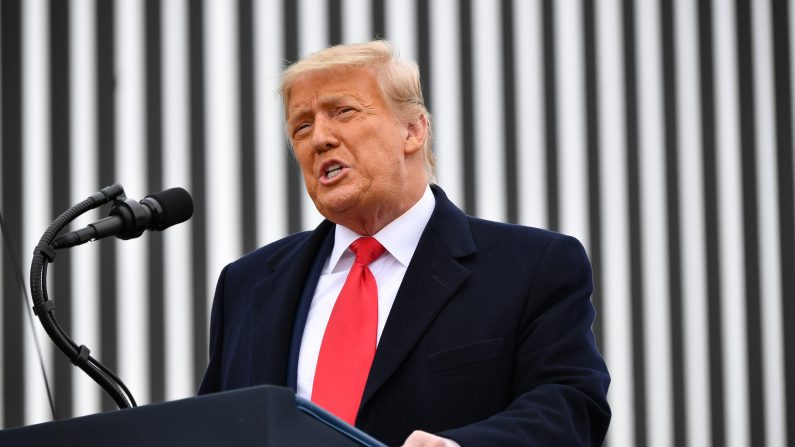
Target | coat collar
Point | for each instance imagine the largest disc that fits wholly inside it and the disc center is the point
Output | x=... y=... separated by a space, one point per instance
x=433 y=275
x=275 y=301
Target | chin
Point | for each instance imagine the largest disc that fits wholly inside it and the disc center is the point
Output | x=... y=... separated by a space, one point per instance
x=333 y=208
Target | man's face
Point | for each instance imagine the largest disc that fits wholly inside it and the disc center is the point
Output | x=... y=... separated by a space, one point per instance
x=351 y=147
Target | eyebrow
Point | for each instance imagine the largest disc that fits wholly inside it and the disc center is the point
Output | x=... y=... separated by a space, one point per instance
x=324 y=102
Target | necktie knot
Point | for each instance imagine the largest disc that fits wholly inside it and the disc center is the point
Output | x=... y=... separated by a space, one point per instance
x=367 y=250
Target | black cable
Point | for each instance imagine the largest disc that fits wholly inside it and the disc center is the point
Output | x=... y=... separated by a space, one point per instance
x=113 y=376
x=26 y=299
x=43 y=255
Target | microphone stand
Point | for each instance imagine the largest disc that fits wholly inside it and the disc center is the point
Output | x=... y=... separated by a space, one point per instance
x=44 y=308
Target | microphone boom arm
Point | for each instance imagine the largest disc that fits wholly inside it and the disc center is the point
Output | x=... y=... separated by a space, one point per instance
x=43 y=307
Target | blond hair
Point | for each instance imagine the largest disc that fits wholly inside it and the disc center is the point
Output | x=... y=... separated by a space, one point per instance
x=398 y=79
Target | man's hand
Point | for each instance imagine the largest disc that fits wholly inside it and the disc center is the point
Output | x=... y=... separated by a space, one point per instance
x=425 y=439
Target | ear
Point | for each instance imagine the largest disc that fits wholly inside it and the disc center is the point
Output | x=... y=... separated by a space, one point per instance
x=416 y=134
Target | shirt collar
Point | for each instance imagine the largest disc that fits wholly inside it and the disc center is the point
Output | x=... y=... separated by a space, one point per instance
x=400 y=237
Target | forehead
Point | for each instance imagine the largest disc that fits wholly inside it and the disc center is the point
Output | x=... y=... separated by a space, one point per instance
x=320 y=87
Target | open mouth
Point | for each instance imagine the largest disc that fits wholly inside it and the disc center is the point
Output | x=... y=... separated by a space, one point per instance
x=333 y=170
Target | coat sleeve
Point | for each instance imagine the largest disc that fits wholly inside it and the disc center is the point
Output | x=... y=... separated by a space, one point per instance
x=560 y=380
x=211 y=382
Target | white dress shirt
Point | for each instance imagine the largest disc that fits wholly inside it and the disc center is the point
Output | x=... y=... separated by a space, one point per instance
x=400 y=238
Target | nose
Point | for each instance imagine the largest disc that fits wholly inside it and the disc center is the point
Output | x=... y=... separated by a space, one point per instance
x=323 y=135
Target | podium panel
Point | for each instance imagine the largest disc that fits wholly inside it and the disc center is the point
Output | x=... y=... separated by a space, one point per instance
x=257 y=416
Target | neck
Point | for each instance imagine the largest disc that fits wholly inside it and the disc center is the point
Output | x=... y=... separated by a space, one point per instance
x=381 y=216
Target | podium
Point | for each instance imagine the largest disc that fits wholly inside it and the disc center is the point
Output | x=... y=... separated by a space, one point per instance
x=258 y=416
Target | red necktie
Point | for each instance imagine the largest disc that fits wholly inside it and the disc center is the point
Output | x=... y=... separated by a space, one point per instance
x=348 y=346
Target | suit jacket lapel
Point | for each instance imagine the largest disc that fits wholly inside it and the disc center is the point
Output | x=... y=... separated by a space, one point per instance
x=432 y=277
x=274 y=303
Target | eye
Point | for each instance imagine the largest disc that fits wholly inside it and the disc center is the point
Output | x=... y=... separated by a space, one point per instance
x=345 y=110
x=297 y=130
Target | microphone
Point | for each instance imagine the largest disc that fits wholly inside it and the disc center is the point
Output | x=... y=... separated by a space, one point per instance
x=128 y=219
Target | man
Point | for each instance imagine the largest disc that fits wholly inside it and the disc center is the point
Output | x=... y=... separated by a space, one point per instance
x=399 y=313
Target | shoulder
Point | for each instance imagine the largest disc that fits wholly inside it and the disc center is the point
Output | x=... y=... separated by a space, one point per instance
x=500 y=244
x=518 y=251
x=490 y=227
x=268 y=256
x=491 y=236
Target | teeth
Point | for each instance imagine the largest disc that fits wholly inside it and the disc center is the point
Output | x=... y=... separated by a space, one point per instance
x=333 y=170
x=333 y=173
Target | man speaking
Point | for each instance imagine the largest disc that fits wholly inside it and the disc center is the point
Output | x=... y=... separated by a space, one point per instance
x=399 y=313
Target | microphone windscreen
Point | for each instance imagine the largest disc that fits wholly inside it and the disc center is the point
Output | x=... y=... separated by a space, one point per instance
x=176 y=205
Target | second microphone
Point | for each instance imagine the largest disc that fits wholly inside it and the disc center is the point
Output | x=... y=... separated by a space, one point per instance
x=128 y=219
